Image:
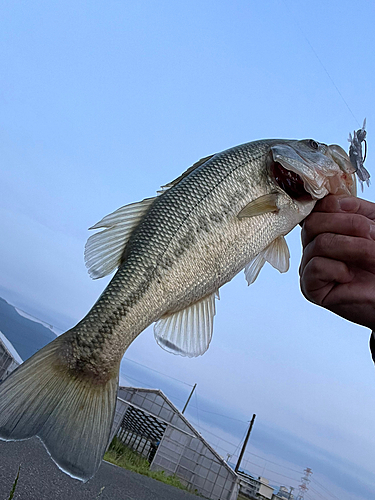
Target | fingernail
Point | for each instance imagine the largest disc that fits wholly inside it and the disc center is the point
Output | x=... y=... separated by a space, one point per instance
x=347 y=204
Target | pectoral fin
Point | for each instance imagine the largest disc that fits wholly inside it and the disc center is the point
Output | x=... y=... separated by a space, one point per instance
x=262 y=205
x=188 y=332
x=277 y=254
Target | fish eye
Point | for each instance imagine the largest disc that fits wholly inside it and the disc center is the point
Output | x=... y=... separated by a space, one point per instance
x=313 y=144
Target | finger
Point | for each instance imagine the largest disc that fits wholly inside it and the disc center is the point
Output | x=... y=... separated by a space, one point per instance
x=339 y=223
x=320 y=275
x=354 y=251
x=352 y=204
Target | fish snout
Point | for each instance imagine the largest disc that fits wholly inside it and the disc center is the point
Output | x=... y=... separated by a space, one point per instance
x=341 y=158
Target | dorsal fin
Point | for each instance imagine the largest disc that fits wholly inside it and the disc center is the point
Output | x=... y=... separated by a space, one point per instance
x=184 y=174
x=103 y=250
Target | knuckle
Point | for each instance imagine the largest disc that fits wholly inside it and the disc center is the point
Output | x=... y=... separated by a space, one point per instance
x=360 y=225
x=309 y=229
x=368 y=252
x=323 y=242
x=308 y=225
x=328 y=204
x=314 y=266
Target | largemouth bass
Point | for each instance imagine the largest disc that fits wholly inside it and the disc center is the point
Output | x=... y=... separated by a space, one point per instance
x=229 y=211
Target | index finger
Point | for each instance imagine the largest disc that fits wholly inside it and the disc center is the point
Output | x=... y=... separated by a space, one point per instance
x=345 y=204
x=349 y=224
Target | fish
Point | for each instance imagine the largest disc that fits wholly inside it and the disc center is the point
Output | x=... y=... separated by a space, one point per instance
x=171 y=254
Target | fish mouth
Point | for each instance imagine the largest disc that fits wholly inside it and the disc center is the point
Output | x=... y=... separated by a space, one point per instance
x=307 y=170
x=289 y=181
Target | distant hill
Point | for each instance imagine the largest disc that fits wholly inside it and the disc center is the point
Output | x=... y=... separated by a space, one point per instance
x=26 y=335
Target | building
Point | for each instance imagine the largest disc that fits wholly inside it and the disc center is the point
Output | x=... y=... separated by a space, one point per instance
x=147 y=422
x=284 y=493
x=9 y=357
x=255 y=489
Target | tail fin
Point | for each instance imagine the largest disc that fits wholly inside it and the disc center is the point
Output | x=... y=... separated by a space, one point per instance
x=71 y=414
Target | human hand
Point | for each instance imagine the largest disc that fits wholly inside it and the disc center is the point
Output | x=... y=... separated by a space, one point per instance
x=337 y=269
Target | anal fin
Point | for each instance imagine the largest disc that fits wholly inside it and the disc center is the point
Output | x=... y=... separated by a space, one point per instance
x=187 y=332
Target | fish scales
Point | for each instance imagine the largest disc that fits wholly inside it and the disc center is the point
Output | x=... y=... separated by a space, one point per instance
x=184 y=221
x=227 y=212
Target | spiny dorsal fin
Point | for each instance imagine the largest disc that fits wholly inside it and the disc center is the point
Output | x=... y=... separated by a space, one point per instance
x=103 y=250
x=183 y=175
x=262 y=205
x=277 y=254
x=187 y=332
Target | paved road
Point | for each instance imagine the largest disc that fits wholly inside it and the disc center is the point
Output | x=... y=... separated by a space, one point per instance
x=40 y=479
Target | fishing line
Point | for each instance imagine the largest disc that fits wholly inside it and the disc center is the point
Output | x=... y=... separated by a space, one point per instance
x=320 y=61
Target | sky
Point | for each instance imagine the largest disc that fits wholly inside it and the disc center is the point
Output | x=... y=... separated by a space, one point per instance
x=104 y=102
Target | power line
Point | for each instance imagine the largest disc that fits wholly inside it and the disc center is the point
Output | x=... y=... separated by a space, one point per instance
x=196 y=399
x=247 y=461
x=141 y=382
x=274 y=463
x=294 y=480
x=222 y=439
x=221 y=415
x=250 y=453
x=324 y=488
x=309 y=497
x=156 y=371
x=176 y=397
x=283 y=475
x=317 y=493
x=241 y=442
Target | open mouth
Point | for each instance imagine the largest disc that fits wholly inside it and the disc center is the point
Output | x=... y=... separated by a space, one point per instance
x=289 y=181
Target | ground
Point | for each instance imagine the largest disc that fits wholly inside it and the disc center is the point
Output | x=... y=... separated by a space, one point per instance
x=40 y=479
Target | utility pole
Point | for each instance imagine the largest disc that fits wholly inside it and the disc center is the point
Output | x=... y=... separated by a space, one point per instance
x=245 y=443
x=187 y=402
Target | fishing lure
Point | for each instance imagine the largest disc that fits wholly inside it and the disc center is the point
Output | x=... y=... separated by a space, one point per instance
x=355 y=154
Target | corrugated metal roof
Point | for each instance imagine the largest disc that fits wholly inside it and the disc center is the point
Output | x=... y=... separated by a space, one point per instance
x=11 y=350
x=184 y=419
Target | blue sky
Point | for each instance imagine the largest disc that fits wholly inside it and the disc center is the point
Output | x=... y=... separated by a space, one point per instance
x=102 y=103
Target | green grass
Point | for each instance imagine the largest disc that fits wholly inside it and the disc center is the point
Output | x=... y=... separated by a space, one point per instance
x=14 y=485
x=121 y=455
